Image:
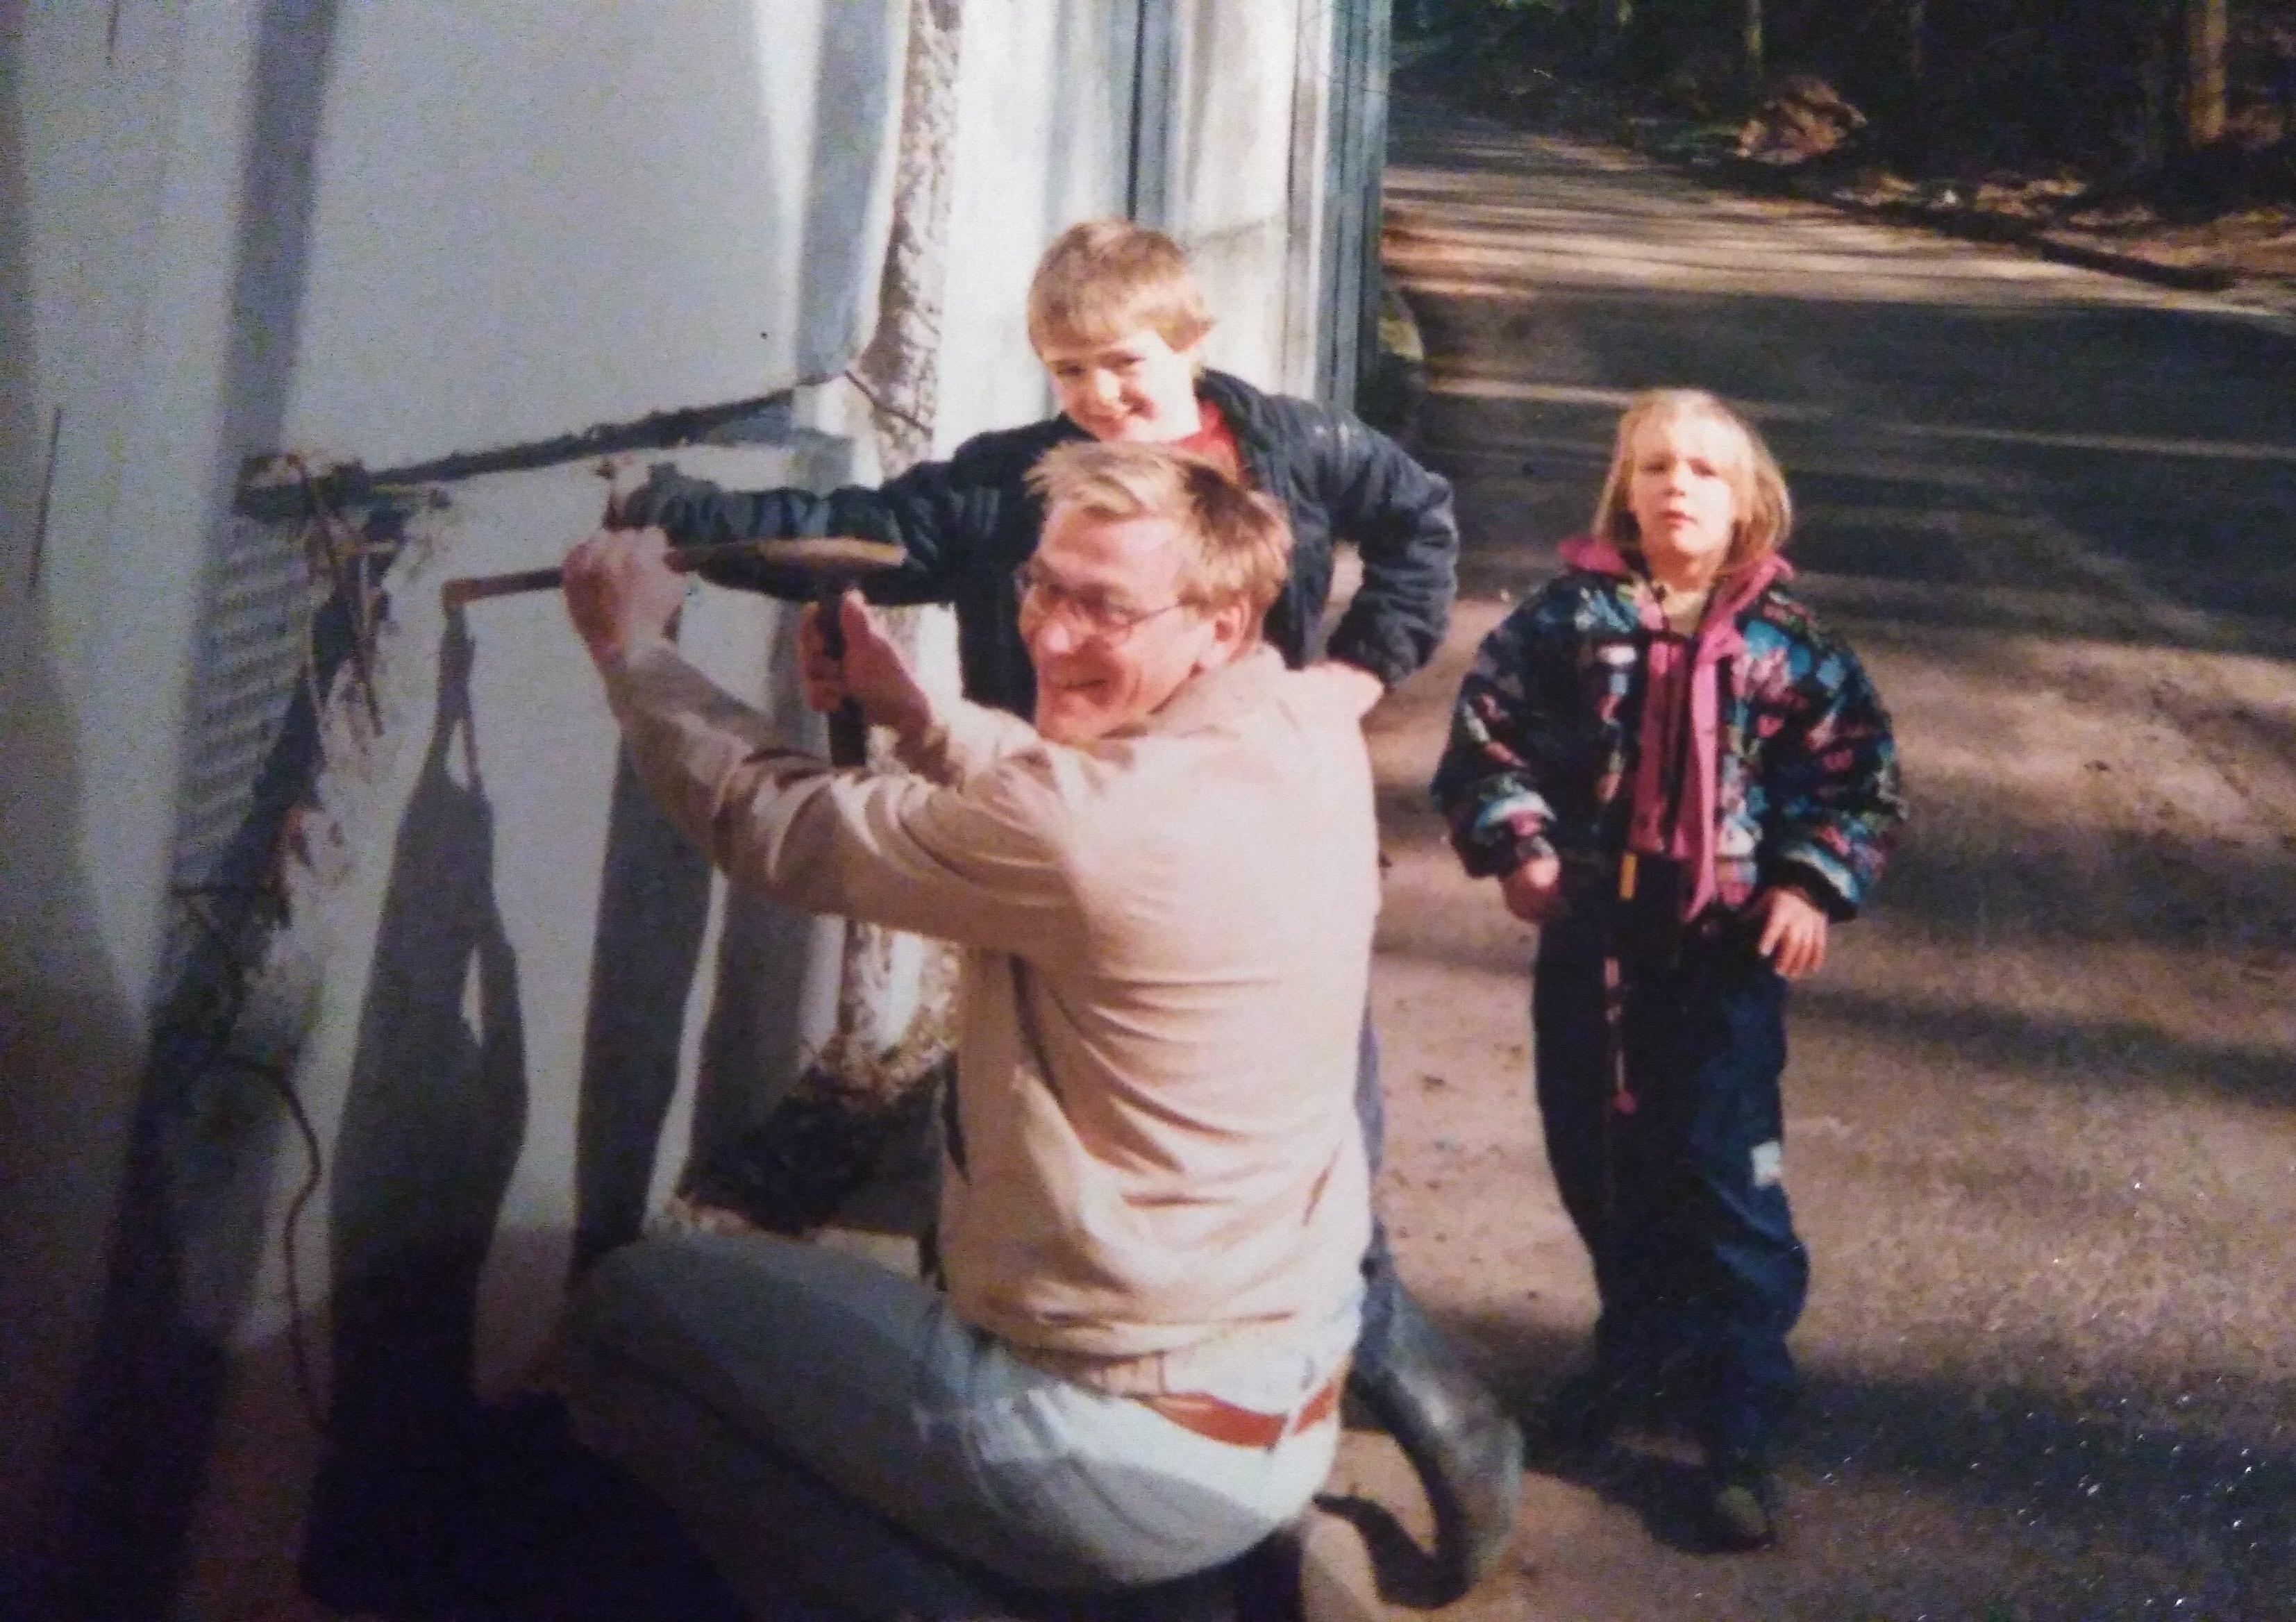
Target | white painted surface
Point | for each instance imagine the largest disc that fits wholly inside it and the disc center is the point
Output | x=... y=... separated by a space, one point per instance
x=1028 y=168
x=1231 y=157
x=533 y=218
x=517 y=220
x=537 y=762
x=114 y=187
x=1044 y=139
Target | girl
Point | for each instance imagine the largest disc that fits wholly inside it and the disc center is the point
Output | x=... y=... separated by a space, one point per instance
x=1673 y=771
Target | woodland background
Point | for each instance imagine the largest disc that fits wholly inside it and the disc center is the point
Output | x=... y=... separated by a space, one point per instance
x=2194 y=98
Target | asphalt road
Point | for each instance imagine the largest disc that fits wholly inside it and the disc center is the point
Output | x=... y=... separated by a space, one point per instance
x=2042 y=1103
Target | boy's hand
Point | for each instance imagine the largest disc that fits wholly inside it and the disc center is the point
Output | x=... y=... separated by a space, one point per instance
x=620 y=590
x=1533 y=892
x=1793 y=931
x=873 y=672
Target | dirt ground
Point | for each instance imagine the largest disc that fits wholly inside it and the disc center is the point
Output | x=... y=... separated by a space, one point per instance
x=2240 y=243
x=2042 y=1103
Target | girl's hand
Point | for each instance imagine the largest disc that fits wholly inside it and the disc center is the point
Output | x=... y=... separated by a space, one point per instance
x=1533 y=892
x=873 y=672
x=1793 y=931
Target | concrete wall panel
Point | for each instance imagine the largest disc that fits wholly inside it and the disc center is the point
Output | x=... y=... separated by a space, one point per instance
x=530 y=218
x=1232 y=132
x=1044 y=138
x=456 y=933
x=113 y=174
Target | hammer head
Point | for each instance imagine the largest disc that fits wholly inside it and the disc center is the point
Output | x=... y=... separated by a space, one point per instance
x=831 y=563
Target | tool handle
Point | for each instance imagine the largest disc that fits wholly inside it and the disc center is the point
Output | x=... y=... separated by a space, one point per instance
x=848 y=734
x=849 y=728
x=477 y=588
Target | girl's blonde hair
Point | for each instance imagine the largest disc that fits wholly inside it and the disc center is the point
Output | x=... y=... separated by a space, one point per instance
x=1765 y=510
x=1106 y=279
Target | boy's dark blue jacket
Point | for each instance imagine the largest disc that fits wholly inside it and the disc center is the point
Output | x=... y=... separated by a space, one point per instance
x=1543 y=744
x=969 y=522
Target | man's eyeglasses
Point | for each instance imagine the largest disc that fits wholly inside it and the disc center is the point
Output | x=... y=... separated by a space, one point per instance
x=1090 y=613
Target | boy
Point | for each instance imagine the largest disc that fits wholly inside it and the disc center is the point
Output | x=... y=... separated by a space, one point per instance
x=1118 y=321
x=1116 y=317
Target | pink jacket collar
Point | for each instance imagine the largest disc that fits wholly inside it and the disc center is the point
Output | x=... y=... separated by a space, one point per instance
x=1717 y=638
x=1598 y=555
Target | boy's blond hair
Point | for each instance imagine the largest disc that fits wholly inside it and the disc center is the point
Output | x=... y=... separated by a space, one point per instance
x=1765 y=510
x=1106 y=278
x=1239 y=542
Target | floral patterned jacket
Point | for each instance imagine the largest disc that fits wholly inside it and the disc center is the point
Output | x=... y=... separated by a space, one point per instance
x=1543 y=743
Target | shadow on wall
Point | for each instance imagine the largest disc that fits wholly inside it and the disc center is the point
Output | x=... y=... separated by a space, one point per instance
x=755 y=1044
x=136 y=1429
x=654 y=903
x=438 y=1105
x=70 y=1049
x=429 y=1135
x=776 y=982
x=67 y=1033
x=654 y=906
x=45 y=892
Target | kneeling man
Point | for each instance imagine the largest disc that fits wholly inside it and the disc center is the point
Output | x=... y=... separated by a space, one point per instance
x=1154 y=1198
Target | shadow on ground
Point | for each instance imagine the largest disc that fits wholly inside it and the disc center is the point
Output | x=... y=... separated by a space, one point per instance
x=2040 y=1111
x=2178 y=1493
x=1944 y=418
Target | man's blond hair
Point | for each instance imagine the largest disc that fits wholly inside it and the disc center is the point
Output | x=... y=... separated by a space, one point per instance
x=1764 y=509
x=1238 y=541
x=1106 y=279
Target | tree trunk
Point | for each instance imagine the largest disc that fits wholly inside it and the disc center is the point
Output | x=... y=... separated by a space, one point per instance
x=2206 y=24
x=1608 y=22
x=1754 y=67
x=1917 y=25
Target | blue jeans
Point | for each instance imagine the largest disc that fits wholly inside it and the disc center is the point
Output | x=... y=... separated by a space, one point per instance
x=1682 y=1204
x=707 y=1364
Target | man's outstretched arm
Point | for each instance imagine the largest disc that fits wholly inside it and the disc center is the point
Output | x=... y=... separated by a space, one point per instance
x=978 y=864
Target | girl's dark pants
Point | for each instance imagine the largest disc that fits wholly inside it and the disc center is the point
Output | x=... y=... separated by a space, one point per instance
x=1679 y=1203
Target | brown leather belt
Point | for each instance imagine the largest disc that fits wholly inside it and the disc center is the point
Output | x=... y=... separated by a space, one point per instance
x=1223 y=1422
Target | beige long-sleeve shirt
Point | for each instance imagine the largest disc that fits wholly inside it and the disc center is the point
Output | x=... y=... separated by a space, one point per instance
x=1166 y=936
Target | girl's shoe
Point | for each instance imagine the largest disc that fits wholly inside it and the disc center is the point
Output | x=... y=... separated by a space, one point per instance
x=1742 y=1502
